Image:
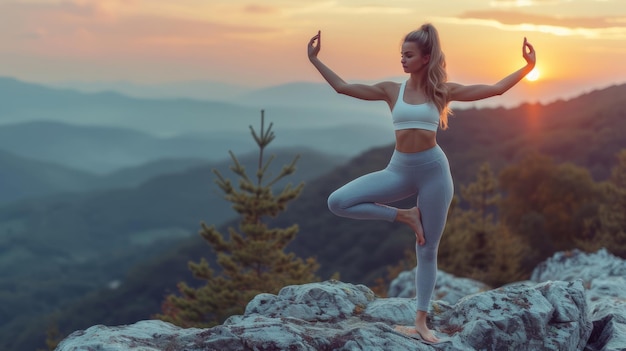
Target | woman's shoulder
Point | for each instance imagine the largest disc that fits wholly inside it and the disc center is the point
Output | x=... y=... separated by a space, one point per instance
x=388 y=84
x=390 y=87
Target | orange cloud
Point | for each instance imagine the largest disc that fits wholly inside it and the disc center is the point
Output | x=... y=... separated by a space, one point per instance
x=93 y=27
x=260 y=9
x=523 y=3
x=610 y=28
x=514 y=18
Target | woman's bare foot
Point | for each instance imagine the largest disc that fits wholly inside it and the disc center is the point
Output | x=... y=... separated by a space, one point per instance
x=422 y=329
x=426 y=334
x=413 y=218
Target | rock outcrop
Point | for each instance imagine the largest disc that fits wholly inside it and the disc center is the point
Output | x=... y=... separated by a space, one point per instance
x=573 y=301
x=333 y=315
x=448 y=287
x=604 y=277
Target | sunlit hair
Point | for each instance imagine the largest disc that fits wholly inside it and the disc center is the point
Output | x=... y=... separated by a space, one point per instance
x=427 y=40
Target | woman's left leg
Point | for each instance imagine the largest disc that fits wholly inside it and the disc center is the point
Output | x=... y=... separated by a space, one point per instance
x=366 y=196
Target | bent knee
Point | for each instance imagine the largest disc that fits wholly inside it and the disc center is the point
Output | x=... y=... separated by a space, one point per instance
x=334 y=203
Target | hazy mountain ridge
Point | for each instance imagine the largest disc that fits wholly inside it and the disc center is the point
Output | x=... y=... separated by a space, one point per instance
x=105 y=131
x=102 y=150
x=161 y=117
x=22 y=178
x=197 y=90
x=309 y=93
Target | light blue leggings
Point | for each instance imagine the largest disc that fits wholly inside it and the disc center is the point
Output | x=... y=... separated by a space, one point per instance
x=425 y=174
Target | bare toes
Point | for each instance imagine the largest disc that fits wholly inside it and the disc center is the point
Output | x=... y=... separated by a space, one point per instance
x=419 y=229
x=427 y=335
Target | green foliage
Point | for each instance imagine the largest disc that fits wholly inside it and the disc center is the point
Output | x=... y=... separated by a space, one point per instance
x=608 y=229
x=53 y=337
x=253 y=259
x=382 y=283
x=482 y=194
x=548 y=204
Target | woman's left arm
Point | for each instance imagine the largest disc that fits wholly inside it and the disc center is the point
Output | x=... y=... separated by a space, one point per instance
x=458 y=92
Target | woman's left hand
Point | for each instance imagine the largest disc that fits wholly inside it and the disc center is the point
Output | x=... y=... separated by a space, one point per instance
x=313 y=49
x=529 y=53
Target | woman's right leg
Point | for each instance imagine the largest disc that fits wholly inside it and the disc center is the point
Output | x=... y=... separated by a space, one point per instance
x=364 y=197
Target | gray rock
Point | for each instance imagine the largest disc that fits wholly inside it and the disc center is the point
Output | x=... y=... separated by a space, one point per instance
x=603 y=276
x=333 y=315
x=447 y=288
x=548 y=316
x=575 y=264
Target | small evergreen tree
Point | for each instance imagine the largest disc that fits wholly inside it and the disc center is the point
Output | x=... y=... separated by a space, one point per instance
x=253 y=259
x=482 y=195
x=53 y=337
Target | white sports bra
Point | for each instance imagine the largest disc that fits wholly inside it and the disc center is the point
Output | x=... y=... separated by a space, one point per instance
x=407 y=116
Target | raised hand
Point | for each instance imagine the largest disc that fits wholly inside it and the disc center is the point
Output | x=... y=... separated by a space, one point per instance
x=313 y=49
x=528 y=52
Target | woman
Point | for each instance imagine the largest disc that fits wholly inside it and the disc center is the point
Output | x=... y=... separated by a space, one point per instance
x=418 y=166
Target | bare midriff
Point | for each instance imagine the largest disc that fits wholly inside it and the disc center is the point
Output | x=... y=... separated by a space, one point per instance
x=415 y=140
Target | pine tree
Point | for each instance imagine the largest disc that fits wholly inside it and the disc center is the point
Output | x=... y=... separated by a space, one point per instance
x=482 y=195
x=53 y=337
x=253 y=259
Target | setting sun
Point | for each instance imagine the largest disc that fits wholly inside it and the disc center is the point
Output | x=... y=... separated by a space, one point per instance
x=533 y=75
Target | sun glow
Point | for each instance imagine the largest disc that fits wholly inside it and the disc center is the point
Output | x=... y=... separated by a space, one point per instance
x=533 y=75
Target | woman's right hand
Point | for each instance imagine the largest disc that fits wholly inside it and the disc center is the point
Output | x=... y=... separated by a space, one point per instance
x=314 y=49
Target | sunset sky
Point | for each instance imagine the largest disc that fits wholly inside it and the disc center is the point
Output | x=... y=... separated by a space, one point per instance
x=263 y=43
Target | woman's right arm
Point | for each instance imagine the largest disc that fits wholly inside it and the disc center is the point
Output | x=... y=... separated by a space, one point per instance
x=379 y=91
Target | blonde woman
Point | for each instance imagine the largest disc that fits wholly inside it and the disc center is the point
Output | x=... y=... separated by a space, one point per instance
x=418 y=166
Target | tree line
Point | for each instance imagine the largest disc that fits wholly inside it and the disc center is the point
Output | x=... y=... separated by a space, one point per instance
x=500 y=227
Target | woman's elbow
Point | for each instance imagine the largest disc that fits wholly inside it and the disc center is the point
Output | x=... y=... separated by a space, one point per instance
x=498 y=90
x=341 y=89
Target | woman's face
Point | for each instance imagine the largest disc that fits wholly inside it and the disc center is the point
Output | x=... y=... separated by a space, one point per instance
x=412 y=59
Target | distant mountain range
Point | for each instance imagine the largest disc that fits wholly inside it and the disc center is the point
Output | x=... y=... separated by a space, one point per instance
x=101 y=132
x=101 y=150
x=22 y=178
x=25 y=102
x=104 y=132
x=197 y=90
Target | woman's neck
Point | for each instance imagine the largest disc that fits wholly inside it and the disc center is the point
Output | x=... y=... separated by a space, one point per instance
x=415 y=81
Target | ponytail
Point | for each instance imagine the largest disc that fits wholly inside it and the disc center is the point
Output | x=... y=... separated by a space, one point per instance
x=427 y=40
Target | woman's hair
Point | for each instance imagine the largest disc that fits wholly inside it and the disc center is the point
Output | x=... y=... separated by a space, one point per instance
x=427 y=40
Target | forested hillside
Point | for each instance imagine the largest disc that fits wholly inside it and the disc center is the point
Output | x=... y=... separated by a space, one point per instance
x=61 y=248
x=586 y=131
